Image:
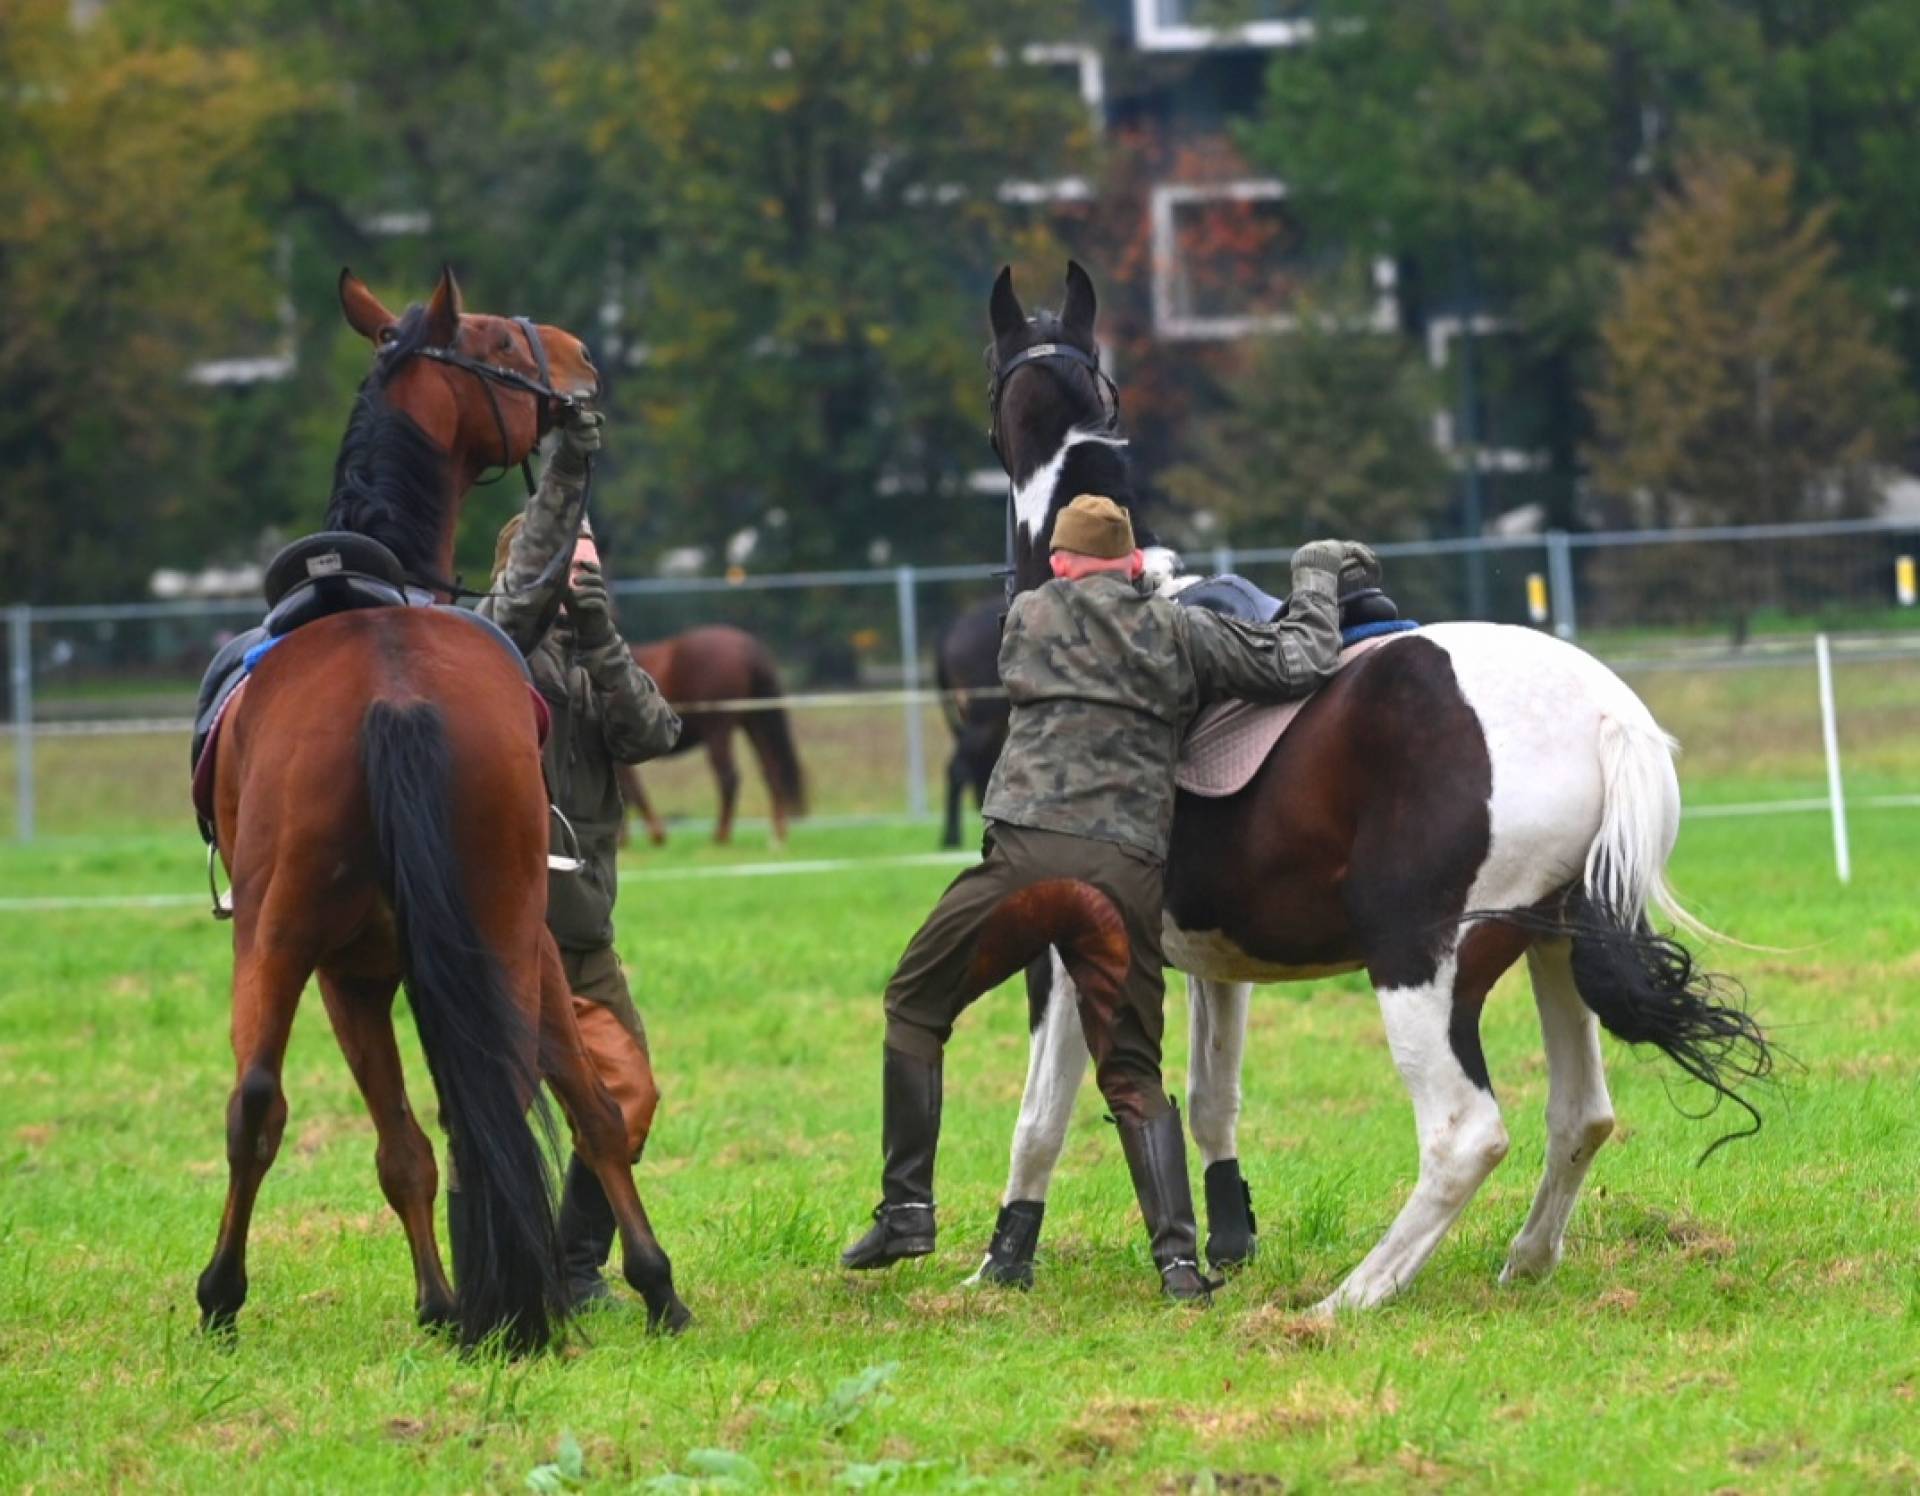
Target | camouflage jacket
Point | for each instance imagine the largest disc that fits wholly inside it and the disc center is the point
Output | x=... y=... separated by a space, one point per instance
x=1104 y=676
x=606 y=711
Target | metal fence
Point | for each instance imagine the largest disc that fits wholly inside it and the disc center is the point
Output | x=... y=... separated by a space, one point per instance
x=101 y=696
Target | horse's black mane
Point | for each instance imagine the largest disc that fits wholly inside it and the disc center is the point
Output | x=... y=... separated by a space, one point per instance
x=389 y=480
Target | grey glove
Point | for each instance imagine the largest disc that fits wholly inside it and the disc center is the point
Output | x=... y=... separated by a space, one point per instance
x=1316 y=566
x=580 y=430
x=1360 y=569
x=589 y=606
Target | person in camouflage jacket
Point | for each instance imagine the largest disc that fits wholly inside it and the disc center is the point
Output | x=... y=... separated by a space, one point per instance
x=1104 y=676
x=606 y=711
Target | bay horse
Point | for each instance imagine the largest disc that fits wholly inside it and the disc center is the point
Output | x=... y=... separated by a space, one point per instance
x=729 y=667
x=967 y=667
x=380 y=809
x=1459 y=797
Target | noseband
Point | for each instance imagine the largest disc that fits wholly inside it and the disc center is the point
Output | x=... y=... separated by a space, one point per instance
x=546 y=398
x=996 y=389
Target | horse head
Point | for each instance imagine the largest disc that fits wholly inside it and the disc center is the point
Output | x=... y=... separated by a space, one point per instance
x=451 y=393
x=1054 y=417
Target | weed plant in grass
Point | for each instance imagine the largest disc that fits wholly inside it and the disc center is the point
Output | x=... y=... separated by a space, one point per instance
x=1753 y=1323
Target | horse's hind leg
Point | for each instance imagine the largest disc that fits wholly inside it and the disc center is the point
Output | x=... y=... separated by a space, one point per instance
x=1433 y=1029
x=362 y=1013
x=727 y=772
x=1056 y=1066
x=1214 y=1063
x=266 y=991
x=1579 y=1110
x=600 y=1138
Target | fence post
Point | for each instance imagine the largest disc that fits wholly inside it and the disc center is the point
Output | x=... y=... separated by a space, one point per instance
x=903 y=581
x=1560 y=584
x=20 y=654
x=1222 y=560
x=1836 y=797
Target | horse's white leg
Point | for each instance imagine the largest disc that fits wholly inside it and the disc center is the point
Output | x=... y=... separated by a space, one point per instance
x=1461 y=1135
x=1579 y=1110
x=1056 y=1065
x=1214 y=1062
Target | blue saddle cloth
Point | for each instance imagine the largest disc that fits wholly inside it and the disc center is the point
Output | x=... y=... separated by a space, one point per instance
x=1365 y=614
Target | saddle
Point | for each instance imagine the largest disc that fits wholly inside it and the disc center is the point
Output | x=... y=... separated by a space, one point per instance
x=335 y=571
x=1234 y=596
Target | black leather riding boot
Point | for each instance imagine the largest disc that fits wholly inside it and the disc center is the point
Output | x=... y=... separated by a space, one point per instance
x=903 y=1223
x=586 y=1236
x=1157 y=1158
x=1233 y=1234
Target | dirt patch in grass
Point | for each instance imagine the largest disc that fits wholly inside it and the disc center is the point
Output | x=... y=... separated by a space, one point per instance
x=1281 y=1330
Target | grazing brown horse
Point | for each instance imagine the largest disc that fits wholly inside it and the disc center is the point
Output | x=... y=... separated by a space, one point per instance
x=380 y=808
x=729 y=666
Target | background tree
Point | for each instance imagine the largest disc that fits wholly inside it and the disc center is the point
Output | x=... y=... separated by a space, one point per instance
x=130 y=247
x=1325 y=430
x=818 y=190
x=1742 y=381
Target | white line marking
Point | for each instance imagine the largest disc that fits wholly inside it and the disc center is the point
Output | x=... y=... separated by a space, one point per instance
x=798 y=867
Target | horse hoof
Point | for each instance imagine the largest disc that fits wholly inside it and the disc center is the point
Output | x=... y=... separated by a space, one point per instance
x=436 y=1315
x=671 y=1320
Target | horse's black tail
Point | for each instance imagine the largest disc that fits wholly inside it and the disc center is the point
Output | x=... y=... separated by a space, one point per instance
x=771 y=732
x=1648 y=988
x=505 y=1247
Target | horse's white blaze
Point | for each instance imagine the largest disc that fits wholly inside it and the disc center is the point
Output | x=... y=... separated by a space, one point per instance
x=1033 y=499
x=1461 y=1140
x=1579 y=1110
x=1218 y=1034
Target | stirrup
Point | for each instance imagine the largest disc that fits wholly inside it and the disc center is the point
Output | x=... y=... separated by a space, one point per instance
x=222 y=899
x=558 y=862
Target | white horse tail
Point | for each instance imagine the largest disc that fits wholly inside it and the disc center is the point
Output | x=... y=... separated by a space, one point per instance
x=1639 y=822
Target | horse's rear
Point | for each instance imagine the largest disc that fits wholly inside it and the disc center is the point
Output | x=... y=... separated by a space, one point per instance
x=380 y=800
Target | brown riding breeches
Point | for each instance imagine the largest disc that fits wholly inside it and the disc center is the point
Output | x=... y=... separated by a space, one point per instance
x=615 y=1038
x=1121 y=1003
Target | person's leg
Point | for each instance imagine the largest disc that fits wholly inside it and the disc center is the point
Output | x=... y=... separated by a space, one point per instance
x=930 y=988
x=1122 y=1006
x=615 y=1041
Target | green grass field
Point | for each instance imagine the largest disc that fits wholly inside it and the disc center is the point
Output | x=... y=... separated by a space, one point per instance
x=1752 y=1324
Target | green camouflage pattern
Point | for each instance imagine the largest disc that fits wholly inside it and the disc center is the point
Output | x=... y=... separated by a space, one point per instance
x=1104 y=676
x=606 y=711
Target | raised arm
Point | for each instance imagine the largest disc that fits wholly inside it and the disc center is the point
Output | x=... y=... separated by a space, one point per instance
x=527 y=591
x=1285 y=660
x=635 y=720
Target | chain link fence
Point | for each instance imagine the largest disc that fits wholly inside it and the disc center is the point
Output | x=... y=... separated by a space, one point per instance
x=1715 y=628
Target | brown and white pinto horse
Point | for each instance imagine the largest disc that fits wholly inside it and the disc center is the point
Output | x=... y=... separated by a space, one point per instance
x=382 y=814
x=729 y=667
x=1455 y=799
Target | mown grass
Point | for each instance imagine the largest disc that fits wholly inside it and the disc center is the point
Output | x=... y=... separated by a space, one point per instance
x=1754 y=1323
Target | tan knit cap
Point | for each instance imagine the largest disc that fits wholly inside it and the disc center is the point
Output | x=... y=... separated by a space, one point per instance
x=1094 y=526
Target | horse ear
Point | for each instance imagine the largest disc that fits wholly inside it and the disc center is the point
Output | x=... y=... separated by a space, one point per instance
x=365 y=315
x=443 y=310
x=1077 y=314
x=1004 y=307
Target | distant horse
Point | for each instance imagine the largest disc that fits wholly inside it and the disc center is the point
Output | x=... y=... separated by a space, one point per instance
x=967 y=665
x=727 y=665
x=1459 y=797
x=379 y=803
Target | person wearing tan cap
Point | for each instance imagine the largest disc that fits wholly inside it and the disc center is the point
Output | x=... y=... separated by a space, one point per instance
x=1103 y=676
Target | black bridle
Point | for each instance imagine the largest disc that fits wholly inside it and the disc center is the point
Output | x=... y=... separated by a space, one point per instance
x=547 y=403
x=546 y=398
x=1041 y=353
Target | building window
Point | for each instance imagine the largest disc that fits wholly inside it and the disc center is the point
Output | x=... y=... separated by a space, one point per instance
x=1191 y=25
x=1230 y=258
